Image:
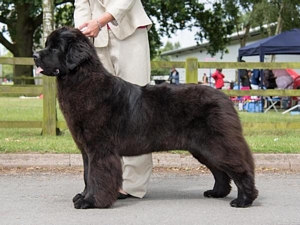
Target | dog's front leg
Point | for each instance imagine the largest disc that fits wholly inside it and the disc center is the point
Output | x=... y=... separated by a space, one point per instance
x=85 y=175
x=104 y=179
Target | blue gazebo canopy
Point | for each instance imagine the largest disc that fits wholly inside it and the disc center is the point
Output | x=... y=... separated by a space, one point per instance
x=287 y=42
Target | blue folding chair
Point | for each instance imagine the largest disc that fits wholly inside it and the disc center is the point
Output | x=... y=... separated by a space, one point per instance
x=273 y=101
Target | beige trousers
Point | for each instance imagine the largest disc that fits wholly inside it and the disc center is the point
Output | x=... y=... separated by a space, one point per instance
x=130 y=60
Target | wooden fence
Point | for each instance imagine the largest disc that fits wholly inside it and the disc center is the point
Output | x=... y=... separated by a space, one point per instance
x=49 y=124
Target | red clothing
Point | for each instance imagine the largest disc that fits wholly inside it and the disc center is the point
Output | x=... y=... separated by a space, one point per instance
x=218 y=77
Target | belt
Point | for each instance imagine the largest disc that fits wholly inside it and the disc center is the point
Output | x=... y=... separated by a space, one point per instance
x=140 y=27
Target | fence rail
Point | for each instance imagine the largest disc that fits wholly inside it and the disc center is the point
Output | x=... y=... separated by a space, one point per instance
x=29 y=90
x=191 y=65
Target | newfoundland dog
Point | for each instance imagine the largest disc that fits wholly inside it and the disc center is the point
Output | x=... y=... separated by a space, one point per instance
x=109 y=118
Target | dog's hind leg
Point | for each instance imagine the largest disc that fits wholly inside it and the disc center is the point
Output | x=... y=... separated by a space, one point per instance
x=222 y=184
x=226 y=165
x=103 y=182
x=247 y=192
x=243 y=180
x=222 y=181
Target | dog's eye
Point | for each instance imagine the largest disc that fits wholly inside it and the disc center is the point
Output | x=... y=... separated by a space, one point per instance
x=55 y=51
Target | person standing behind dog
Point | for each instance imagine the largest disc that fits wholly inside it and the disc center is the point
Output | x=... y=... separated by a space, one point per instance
x=119 y=32
x=219 y=78
x=174 y=76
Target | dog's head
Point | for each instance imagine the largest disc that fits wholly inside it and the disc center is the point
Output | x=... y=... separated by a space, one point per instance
x=66 y=48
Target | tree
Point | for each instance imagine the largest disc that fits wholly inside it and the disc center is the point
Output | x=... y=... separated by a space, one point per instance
x=282 y=14
x=24 y=18
x=23 y=21
x=168 y=47
x=173 y=15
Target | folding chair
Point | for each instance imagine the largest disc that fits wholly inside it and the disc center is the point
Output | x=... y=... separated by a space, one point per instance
x=273 y=102
x=297 y=106
x=294 y=107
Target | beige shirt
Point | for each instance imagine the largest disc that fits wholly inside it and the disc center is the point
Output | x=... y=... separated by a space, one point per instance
x=128 y=14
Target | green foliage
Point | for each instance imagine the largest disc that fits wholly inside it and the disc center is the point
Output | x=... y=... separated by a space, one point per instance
x=24 y=18
x=173 y=15
x=64 y=15
x=168 y=16
x=263 y=12
x=214 y=25
x=160 y=72
x=168 y=47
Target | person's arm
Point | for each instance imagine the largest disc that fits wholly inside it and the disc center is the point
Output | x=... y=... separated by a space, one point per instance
x=114 y=13
x=119 y=9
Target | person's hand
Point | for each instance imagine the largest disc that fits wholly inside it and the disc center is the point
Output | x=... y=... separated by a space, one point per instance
x=90 y=28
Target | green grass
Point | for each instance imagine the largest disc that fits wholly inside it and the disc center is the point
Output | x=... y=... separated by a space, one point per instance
x=17 y=109
x=22 y=109
x=270 y=116
x=272 y=140
x=31 y=140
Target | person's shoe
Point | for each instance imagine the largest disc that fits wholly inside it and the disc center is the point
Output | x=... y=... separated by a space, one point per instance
x=122 y=196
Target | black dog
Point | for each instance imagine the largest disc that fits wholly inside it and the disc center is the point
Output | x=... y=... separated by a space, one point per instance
x=109 y=117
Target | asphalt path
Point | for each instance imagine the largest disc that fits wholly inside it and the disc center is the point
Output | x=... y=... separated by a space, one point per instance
x=45 y=197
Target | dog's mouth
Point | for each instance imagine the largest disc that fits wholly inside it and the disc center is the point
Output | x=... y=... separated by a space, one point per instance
x=38 y=69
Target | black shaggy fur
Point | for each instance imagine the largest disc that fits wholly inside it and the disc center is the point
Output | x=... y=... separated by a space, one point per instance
x=109 y=118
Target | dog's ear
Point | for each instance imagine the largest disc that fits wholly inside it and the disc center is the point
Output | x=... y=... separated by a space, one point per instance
x=78 y=52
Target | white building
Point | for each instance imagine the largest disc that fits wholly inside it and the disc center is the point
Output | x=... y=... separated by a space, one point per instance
x=199 y=52
x=2 y=52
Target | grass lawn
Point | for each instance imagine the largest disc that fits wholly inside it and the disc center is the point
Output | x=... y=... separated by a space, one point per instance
x=30 y=140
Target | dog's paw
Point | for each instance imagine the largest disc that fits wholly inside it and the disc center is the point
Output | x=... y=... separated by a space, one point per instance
x=81 y=203
x=214 y=194
x=240 y=203
x=77 y=197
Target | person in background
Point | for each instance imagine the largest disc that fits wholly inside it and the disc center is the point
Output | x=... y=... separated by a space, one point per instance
x=269 y=79
x=219 y=78
x=119 y=32
x=204 y=79
x=245 y=79
x=255 y=79
x=174 y=76
x=244 y=76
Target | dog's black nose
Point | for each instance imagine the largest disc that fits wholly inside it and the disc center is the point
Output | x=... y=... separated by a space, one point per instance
x=36 y=55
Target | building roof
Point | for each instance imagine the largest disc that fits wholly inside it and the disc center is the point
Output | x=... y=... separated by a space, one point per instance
x=235 y=36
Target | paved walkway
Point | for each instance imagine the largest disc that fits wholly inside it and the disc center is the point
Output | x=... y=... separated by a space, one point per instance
x=273 y=161
x=32 y=198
